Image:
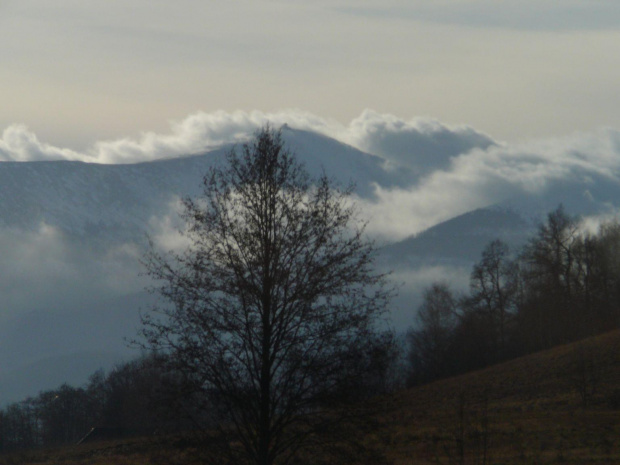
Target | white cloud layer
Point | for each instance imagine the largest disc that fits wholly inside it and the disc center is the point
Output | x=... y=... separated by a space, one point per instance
x=422 y=142
x=449 y=169
x=579 y=168
x=18 y=143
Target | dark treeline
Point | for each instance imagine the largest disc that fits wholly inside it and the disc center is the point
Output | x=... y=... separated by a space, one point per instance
x=143 y=397
x=563 y=285
x=133 y=399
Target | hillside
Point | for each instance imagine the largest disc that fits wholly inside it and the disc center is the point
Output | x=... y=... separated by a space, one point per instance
x=557 y=406
x=529 y=410
x=460 y=240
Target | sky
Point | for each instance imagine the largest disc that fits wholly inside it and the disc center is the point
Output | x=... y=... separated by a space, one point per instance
x=79 y=73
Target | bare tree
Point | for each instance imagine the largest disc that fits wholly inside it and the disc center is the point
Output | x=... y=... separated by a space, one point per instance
x=430 y=340
x=274 y=308
x=600 y=260
x=493 y=288
x=553 y=277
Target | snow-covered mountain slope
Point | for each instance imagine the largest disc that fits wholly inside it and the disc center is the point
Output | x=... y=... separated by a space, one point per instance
x=72 y=234
x=460 y=240
x=85 y=199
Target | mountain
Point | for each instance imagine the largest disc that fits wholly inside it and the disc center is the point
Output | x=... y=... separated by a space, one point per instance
x=72 y=235
x=447 y=251
x=84 y=199
x=460 y=240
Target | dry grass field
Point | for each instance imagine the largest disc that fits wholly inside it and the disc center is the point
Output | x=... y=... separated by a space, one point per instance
x=138 y=451
x=556 y=407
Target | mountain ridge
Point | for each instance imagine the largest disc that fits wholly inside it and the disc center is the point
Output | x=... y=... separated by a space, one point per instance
x=72 y=234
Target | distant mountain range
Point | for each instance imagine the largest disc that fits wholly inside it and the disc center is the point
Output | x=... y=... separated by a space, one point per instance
x=116 y=201
x=72 y=300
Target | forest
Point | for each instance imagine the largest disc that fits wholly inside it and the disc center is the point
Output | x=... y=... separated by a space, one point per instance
x=563 y=285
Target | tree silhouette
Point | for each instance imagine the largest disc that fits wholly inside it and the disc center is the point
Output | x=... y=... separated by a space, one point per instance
x=493 y=289
x=429 y=343
x=274 y=308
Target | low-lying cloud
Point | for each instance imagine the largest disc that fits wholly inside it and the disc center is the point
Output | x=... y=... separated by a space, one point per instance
x=63 y=297
x=18 y=143
x=422 y=143
x=447 y=170
x=580 y=168
x=45 y=270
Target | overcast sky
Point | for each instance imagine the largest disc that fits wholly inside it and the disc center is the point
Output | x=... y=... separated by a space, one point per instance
x=78 y=72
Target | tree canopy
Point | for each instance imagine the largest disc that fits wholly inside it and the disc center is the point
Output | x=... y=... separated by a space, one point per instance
x=273 y=312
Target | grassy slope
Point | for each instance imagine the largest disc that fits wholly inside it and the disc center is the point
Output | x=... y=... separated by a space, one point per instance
x=527 y=411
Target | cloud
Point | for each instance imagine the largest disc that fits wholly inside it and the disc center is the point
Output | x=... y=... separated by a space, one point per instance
x=165 y=230
x=440 y=171
x=196 y=133
x=422 y=144
x=62 y=296
x=47 y=270
x=412 y=284
x=20 y=144
x=552 y=170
